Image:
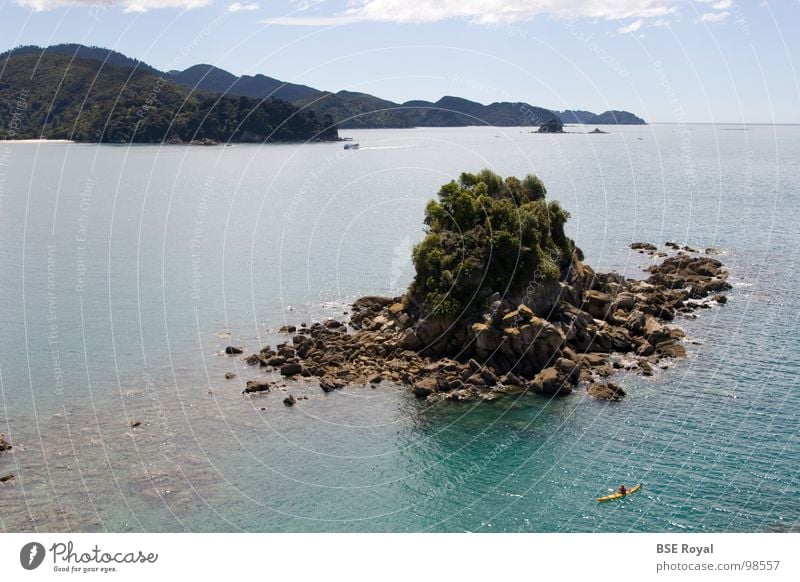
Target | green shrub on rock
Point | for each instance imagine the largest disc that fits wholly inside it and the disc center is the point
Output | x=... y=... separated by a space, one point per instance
x=485 y=232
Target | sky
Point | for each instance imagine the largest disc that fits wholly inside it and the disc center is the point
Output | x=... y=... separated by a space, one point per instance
x=671 y=61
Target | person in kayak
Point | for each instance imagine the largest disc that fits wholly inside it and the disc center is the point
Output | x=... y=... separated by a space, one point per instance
x=622 y=490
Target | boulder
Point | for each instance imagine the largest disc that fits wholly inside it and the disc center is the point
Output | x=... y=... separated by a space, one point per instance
x=330 y=383
x=257 y=386
x=425 y=387
x=597 y=303
x=291 y=369
x=655 y=332
x=290 y=400
x=605 y=391
x=134 y=423
x=253 y=360
x=5 y=445
x=550 y=381
x=287 y=329
x=233 y=350
x=6 y=478
x=230 y=375
x=286 y=351
x=671 y=349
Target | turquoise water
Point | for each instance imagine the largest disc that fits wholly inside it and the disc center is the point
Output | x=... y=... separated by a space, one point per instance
x=125 y=269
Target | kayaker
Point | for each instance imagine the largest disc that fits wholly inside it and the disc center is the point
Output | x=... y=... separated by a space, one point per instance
x=622 y=490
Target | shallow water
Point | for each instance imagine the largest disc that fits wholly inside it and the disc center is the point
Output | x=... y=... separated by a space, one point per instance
x=124 y=269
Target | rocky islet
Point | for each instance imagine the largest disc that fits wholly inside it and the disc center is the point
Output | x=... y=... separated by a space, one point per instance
x=578 y=330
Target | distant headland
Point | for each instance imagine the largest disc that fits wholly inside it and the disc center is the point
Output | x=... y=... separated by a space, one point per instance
x=93 y=94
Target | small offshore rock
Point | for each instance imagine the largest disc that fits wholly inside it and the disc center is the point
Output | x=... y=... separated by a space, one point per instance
x=134 y=423
x=233 y=350
x=721 y=299
x=290 y=400
x=5 y=445
x=6 y=478
x=230 y=375
x=287 y=329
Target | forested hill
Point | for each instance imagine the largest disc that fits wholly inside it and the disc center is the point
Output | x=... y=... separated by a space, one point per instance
x=55 y=96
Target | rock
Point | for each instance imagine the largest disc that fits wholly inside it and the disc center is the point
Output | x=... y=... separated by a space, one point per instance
x=276 y=361
x=329 y=383
x=134 y=423
x=6 y=478
x=375 y=379
x=230 y=375
x=645 y=367
x=643 y=246
x=291 y=369
x=597 y=303
x=257 y=386
x=655 y=332
x=550 y=381
x=253 y=360
x=287 y=352
x=606 y=391
x=720 y=299
x=425 y=387
x=287 y=329
x=5 y=445
x=671 y=349
x=525 y=311
x=233 y=350
x=290 y=400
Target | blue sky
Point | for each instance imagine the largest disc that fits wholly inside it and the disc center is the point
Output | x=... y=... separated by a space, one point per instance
x=665 y=60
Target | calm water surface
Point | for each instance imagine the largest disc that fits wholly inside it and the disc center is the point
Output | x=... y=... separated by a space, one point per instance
x=125 y=271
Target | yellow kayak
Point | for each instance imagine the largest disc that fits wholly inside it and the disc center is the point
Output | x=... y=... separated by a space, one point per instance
x=619 y=495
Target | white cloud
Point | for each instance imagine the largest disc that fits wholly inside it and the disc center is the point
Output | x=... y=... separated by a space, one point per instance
x=239 y=7
x=485 y=11
x=632 y=27
x=127 y=5
x=722 y=5
x=714 y=16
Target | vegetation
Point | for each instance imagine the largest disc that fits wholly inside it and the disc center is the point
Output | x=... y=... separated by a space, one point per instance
x=58 y=97
x=359 y=110
x=487 y=232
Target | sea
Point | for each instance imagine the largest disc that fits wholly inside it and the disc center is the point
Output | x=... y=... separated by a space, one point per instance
x=125 y=271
